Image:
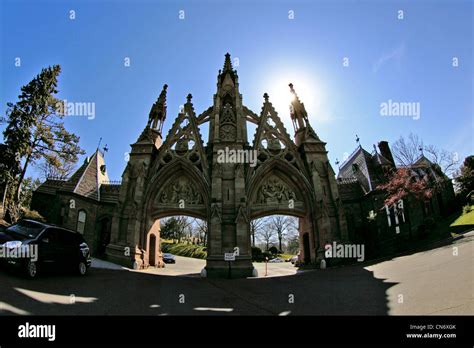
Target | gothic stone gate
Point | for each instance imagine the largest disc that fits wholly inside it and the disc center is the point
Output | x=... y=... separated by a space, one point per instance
x=181 y=176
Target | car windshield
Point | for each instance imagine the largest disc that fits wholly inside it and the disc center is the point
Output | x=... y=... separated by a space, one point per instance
x=25 y=229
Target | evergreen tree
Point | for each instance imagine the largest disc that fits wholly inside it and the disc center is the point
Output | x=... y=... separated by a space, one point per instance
x=465 y=178
x=35 y=131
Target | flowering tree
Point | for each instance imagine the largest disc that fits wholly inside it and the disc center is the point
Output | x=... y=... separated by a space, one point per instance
x=403 y=185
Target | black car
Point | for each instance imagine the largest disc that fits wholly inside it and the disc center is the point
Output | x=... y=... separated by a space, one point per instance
x=43 y=247
x=169 y=258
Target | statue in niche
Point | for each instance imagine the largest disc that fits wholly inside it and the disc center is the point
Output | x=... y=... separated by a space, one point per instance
x=136 y=172
x=132 y=211
x=239 y=170
x=132 y=177
x=142 y=170
x=217 y=169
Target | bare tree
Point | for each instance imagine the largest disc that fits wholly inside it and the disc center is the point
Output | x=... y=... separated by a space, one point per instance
x=407 y=151
x=292 y=236
x=267 y=234
x=47 y=170
x=200 y=228
x=183 y=229
x=255 y=226
x=446 y=160
x=282 y=224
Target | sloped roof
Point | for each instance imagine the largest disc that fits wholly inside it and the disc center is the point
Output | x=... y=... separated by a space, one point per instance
x=365 y=167
x=50 y=186
x=86 y=181
x=356 y=166
x=423 y=166
x=380 y=159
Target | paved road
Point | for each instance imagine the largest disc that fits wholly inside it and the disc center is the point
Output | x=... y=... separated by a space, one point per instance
x=431 y=282
x=186 y=266
x=439 y=281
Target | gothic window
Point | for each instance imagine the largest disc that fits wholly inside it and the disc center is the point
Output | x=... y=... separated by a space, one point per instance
x=227 y=114
x=81 y=221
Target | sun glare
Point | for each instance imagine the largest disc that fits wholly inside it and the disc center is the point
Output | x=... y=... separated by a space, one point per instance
x=281 y=97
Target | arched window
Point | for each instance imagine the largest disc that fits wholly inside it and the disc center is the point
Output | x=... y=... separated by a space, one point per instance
x=81 y=221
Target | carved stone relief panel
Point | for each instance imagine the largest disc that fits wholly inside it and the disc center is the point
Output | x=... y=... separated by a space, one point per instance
x=274 y=190
x=181 y=189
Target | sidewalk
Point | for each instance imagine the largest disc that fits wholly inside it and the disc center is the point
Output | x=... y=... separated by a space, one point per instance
x=98 y=263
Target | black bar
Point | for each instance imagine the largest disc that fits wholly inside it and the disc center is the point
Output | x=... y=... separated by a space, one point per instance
x=242 y=329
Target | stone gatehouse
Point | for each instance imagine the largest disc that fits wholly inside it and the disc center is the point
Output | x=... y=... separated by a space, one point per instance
x=180 y=175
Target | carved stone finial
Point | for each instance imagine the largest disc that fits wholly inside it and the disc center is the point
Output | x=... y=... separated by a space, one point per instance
x=265 y=96
x=227 y=63
x=189 y=97
x=162 y=98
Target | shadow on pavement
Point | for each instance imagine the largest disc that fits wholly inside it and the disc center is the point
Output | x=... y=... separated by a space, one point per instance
x=348 y=290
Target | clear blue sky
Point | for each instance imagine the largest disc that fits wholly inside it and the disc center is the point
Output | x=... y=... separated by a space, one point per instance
x=406 y=60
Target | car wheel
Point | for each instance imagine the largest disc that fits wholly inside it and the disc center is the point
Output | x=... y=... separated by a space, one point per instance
x=82 y=268
x=31 y=269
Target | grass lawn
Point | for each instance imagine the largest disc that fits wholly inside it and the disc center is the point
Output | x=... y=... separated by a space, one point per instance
x=465 y=219
x=285 y=256
x=182 y=249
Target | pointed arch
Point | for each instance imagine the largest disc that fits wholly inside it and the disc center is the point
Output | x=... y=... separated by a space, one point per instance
x=192 y=187
x=272 y=141
x=180 y=136
x=284 y=182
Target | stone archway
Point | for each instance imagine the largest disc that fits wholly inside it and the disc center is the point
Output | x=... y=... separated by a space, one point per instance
x=181 y=176
x=279 y=189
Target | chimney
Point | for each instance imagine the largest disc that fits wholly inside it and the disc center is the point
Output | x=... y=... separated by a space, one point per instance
x=385 y=151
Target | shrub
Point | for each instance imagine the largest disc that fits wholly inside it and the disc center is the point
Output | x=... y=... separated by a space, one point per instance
x=257 y=254
x=188 y=250
x=273 y=250
x=267 y=255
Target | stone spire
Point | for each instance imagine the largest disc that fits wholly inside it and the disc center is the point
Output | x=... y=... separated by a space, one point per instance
x=157 y=115
x=227 y=63
x=227 y=122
